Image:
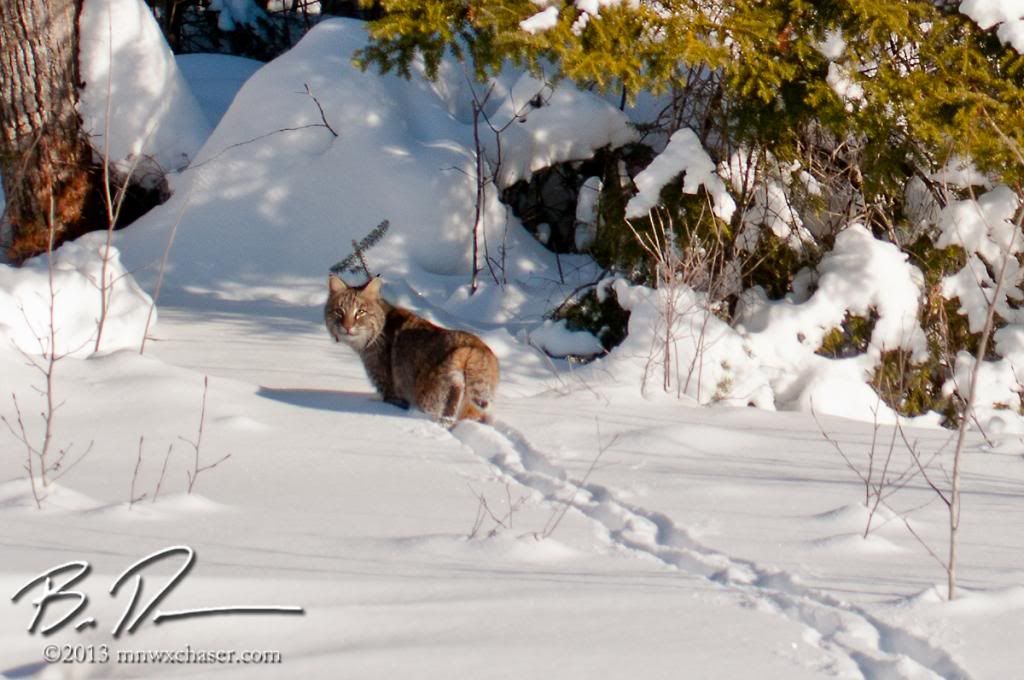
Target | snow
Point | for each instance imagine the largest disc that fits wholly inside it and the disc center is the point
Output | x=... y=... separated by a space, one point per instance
x=860 y=276
x=135 y=105
x=708 y=361
x=231 y=13
x=587 y=213
x=547 y=18
x=983 y=226
x=833 y=45
x=541 y=127
x=543 y=20
x=684 y=154
x=769 y=206
x=838 y=78
x=77 y=271
x=599 y=526
x=558 y=341
x=214 y=79
x=1007 y=14
x=961 y=173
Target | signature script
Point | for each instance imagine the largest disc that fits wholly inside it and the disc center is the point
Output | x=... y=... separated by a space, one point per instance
x=58 y=582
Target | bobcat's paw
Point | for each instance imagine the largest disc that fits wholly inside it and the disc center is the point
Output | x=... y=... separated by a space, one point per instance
x=447 y=422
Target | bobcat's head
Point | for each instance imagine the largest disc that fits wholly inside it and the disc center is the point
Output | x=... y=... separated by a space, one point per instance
x=354 y=316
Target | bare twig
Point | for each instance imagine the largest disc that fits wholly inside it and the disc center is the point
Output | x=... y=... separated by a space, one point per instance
x=112 y=202
x=319 y=108
x=879 y=485
x=484 y=511
x=163 y=264
x=132 y=498
x=163 y=471
x=486 y=173
x=193 y=474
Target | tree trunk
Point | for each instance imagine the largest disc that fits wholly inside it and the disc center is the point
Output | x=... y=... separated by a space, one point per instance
x=45 y=159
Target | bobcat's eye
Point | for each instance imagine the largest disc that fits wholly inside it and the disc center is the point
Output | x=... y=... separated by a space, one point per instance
x=360 y=313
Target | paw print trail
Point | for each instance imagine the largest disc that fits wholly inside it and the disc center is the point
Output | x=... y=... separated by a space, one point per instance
x=860 y=644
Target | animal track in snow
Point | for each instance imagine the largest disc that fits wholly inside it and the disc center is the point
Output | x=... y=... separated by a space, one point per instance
x=861 y=645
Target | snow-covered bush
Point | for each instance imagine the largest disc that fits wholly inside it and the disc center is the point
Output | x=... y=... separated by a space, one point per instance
x=708 y=360
x=827 y=157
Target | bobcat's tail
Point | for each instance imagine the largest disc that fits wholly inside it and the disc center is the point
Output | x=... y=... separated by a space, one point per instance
x=479 y=368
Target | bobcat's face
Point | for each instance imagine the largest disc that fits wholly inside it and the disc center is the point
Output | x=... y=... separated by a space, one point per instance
x=354 y=316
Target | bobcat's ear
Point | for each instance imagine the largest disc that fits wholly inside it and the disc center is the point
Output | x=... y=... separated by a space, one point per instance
x=372 y=289
x=335 y=285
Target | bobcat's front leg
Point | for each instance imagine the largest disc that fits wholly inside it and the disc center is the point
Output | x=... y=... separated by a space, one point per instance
x=397 y=401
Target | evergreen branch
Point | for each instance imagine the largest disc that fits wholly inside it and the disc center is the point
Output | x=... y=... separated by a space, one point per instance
x=356 y=261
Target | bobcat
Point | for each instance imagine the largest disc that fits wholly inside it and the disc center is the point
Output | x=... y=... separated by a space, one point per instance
x=450 y=375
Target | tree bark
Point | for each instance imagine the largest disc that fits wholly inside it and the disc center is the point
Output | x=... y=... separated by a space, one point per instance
x=46 y=162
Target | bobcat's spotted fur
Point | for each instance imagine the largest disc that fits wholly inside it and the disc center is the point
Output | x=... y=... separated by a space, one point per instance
x=450 y=375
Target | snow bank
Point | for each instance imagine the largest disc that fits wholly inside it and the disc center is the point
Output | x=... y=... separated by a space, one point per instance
x=861 y=276
x=129 y=70
x=709 y=361
x=25 y=302
x=283 y=181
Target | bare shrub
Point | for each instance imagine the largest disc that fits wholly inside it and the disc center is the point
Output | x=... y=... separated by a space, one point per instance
x=677 y=269
x=45 y=462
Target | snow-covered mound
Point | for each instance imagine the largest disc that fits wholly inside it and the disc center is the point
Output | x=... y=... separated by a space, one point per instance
x=403 y=152
x=77 y=271
x=135 y=105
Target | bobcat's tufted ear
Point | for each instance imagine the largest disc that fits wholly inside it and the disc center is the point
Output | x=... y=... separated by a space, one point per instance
x=372 y=289
x=335 y=285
